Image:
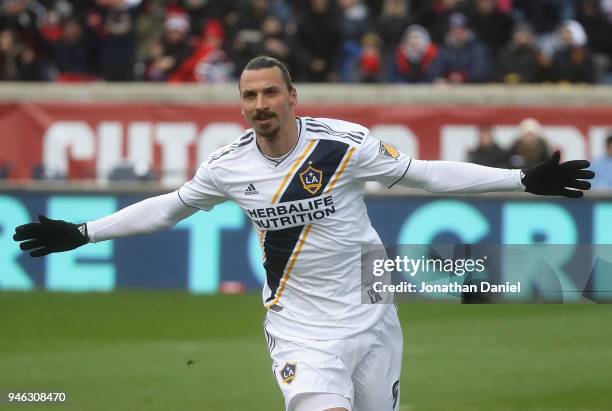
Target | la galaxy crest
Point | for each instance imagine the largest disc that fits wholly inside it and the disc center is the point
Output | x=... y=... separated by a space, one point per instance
x=287 y=373
x=387 y=150
x=312 y=179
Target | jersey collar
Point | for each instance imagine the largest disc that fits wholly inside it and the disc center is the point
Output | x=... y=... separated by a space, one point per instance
x=277 y=162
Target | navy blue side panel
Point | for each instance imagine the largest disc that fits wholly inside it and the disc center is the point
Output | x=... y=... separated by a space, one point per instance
x=279 y=244
x=278 y=247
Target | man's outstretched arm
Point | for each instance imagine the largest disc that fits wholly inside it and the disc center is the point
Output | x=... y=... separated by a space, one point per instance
x=150 y=215
x=546 y=178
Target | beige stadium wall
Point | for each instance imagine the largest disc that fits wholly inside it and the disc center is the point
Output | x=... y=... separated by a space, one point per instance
x=538 y=95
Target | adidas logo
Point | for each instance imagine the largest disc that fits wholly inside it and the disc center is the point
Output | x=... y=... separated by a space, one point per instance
x=83 y=229
x=251 y=190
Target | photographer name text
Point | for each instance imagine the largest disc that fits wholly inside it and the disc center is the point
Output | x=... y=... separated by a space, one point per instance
x=453 y=287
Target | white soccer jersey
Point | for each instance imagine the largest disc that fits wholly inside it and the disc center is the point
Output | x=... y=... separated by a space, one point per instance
x=311 y=219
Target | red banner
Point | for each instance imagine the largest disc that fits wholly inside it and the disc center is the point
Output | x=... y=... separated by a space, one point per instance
x=88 y=140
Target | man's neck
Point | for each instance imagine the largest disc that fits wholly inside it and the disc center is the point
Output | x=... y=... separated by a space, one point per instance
x=280 y=144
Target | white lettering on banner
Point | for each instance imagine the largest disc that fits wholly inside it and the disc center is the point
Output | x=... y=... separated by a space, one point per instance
x=140 y=147
x=175 y=139
x=110 y=146
x=110 y=139
x=568 y=139
x=456 y=141
x=597 y=140
x=78 y=140
x=63 y=138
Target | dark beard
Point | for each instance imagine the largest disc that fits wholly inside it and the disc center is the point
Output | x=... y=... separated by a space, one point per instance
x=267 y=133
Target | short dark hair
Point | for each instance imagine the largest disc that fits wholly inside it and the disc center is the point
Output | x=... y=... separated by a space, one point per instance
x=263 y=62
x=609 y=140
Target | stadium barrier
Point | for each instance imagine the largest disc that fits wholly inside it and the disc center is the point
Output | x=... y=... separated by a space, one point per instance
x=88 y=132
x=209 y=250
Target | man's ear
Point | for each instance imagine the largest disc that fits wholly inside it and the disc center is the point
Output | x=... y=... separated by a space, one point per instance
x=293 y=99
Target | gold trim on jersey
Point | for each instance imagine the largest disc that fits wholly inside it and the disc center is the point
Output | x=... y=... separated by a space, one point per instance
x=262 y=239
x=285 y=279
x=342 y=168
x=297 y=163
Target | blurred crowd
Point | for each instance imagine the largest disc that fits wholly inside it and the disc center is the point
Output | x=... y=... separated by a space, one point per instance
x=354 y=41
x=531 y=147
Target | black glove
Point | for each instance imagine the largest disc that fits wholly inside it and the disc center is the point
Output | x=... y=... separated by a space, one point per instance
x=553 y=179
x=50 y=236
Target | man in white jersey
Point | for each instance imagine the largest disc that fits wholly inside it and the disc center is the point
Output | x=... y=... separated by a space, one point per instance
x=301 y=181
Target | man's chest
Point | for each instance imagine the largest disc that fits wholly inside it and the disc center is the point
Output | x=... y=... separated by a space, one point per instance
x=282 y=198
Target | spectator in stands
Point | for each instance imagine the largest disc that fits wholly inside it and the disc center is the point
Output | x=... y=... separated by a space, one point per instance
x=18 y=62
x=463 y=58
x=530 y=148
x=200 y=12
x=114 y=24
x=71 y=53
x=354 y=24
x=49 y=35
x=370 y=62
x=390 y=26
x=244 y=29
x=544 y=15
x=319 y=42
x=51 y=30
x=490 y=24
x=278 y=40
x=9 y=56
x=603 y=168
x=414 y=56
x=30 y=68
x=436 y=15
x=598 y=28
x=209 y=63
x=573 y=61
x=354 y=20
x=149 y=29
x=520 y=61
x=25 y=17
x=599 y=32
x=171 y=50
x=488 y=153
x=317 y=34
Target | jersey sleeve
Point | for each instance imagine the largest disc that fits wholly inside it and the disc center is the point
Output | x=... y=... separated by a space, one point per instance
x=381 y=162
x=201 y=191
